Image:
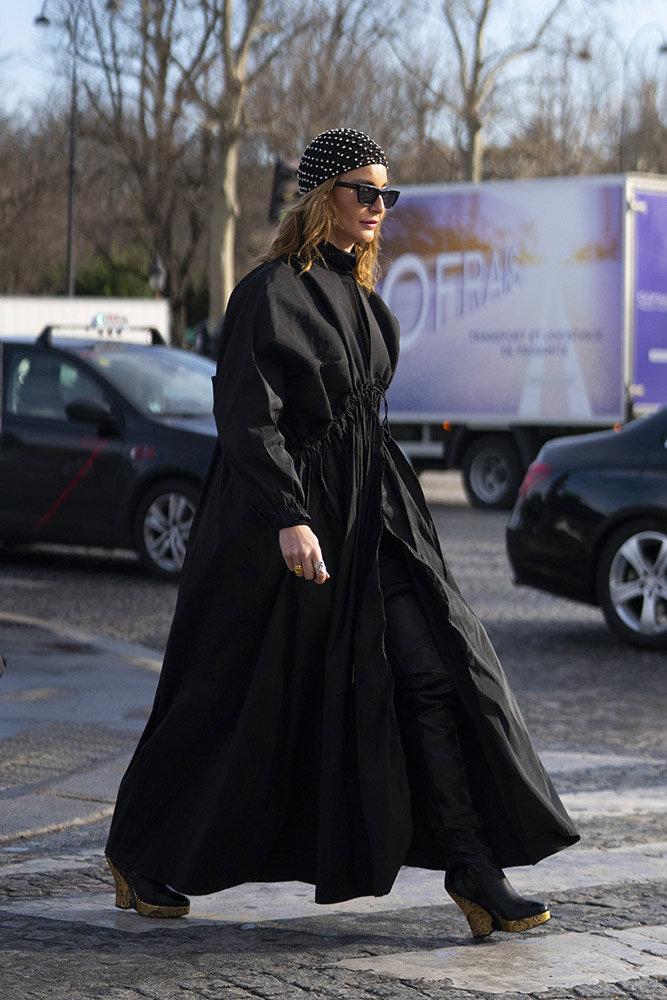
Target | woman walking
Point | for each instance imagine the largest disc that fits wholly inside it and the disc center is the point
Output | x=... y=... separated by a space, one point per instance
x=329 y=707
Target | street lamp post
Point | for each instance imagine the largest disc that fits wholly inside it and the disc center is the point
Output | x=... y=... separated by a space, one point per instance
x=43 y=21
x=72 y=26
x=71 y=177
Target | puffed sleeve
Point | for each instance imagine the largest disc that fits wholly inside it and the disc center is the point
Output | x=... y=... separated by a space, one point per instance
x=248 y=402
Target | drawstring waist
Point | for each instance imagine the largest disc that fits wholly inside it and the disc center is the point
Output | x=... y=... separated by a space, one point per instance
x=369 y=397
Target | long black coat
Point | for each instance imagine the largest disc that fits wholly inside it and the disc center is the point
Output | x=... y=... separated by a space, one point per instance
x=273 y=751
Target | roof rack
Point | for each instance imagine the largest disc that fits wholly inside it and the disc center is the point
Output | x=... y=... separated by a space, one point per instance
x=104 y=328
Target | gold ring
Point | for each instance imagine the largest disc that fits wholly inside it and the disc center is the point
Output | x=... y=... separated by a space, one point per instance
x=298 y=569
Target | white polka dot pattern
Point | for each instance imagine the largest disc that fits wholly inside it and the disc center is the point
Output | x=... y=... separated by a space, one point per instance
x=332 y=153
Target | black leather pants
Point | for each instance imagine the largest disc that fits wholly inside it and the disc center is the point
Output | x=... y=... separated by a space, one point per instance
x=428 y=706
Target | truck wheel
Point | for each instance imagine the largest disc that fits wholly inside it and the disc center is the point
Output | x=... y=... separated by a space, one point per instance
x=632 y=583
x=492 y=472
x=162 y=525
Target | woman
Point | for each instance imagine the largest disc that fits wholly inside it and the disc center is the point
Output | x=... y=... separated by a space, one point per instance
x=325 y=723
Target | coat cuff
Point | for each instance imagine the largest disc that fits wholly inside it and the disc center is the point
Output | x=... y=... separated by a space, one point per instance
x=292 y=514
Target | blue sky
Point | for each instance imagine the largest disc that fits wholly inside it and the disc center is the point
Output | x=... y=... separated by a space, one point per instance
x=26 y=68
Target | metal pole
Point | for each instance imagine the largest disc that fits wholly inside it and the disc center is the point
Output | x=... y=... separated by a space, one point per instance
x=72 y=28
x=71 y=177
x=621 y=142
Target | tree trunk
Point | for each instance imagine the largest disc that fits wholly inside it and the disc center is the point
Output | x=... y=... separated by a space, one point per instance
x=474 y=151
x=224 y=214
x=177 y=309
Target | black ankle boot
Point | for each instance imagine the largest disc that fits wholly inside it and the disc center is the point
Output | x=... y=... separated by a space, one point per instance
x=490 y=903
x=146 y=896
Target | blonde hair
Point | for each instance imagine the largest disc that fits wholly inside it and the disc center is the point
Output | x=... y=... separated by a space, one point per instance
x=311 y=222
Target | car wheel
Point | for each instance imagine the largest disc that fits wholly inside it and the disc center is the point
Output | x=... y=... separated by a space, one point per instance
x=492 y=472
x=632 y=583
x=162 y=525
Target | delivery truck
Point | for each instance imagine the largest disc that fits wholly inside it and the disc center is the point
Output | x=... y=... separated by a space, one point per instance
x=528 y=309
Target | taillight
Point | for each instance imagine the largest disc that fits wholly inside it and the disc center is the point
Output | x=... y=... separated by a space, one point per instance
x=536 y=474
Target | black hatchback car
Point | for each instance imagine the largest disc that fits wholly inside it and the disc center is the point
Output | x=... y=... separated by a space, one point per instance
x=104 y=442
x=590 y=523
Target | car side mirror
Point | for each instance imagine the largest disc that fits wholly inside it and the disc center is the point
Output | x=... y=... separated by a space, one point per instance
x=92 y=411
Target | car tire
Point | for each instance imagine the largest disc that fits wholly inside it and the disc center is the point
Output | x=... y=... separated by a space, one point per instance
x=162 y=525
x=492 y=472
x=632 y=583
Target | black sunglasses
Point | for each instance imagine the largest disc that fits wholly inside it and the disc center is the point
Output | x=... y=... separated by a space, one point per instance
x=368 y=194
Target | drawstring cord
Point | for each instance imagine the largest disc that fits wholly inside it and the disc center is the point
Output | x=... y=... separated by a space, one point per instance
x=386 y=433
x=372 y=391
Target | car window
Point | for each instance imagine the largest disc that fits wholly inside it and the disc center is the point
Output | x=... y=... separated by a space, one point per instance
x=160 y=381
x=41 y=385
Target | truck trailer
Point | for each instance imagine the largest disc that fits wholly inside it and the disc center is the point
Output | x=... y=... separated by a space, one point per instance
x=529 y=309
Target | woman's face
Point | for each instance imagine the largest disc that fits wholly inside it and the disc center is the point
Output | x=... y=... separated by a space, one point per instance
x=357 y=223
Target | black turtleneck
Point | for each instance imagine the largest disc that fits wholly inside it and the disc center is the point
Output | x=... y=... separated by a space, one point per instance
x=340 y=261
x=344 y=263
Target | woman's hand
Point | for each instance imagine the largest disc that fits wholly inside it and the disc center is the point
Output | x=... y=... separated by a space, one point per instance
x=302 y=553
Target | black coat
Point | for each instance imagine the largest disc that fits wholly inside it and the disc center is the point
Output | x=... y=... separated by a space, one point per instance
x=273 y=751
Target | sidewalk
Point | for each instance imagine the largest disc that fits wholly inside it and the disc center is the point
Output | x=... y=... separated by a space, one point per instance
x=72 y=705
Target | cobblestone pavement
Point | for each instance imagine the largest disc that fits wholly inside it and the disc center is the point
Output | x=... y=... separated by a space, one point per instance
x=72 y=705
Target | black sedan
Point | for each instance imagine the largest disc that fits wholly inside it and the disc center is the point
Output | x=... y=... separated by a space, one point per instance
x=103 y=444
x=590 y=523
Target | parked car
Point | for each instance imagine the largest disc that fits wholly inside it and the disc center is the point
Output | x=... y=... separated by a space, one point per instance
x=105 y=442
x=590 y=523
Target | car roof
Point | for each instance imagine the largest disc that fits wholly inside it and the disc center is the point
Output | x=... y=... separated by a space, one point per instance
x=17 y=338
x=85 y=340
x=70 y=343
x=104 y=330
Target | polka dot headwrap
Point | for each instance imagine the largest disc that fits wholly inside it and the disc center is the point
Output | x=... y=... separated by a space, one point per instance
x=332 y=153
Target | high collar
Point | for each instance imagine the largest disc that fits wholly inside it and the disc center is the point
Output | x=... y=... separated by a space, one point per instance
x=338 y=260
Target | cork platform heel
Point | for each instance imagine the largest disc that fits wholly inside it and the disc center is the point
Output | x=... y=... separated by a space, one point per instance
x=146 y=896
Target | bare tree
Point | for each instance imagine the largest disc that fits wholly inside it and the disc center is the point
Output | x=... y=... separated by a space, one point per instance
x=563 y=126
x=323 y=81
x=479 y=68
x=168 y=82
x=289 y=71
x=250 y=35
x=33 y=173
x=646 y=140
x=137 y=63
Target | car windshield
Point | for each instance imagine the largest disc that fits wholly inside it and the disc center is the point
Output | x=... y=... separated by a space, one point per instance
x=162 y=381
